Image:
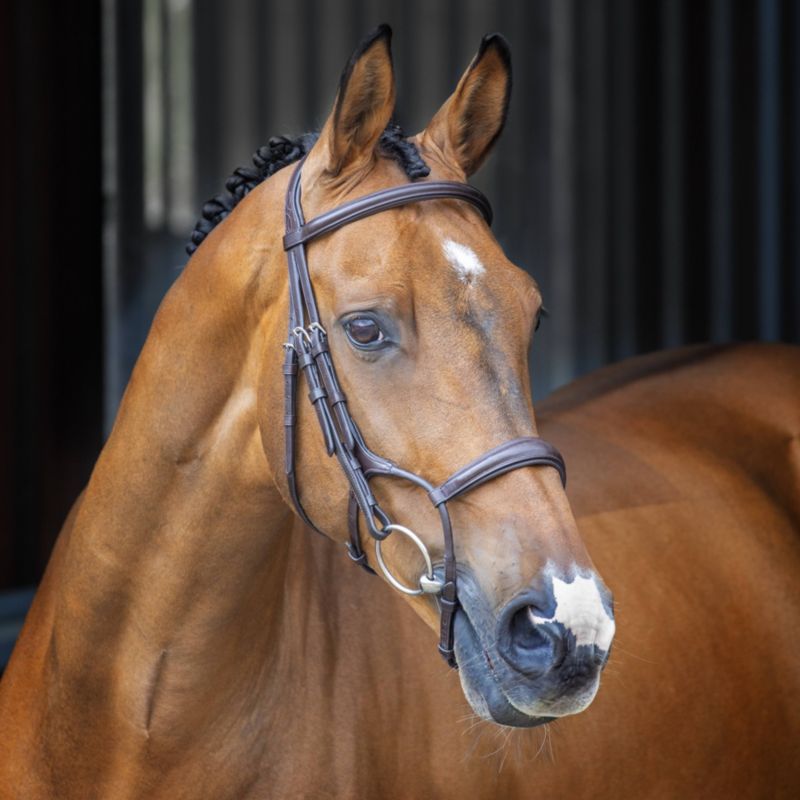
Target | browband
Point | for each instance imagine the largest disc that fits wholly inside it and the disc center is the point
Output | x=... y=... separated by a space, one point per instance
x=382 y=201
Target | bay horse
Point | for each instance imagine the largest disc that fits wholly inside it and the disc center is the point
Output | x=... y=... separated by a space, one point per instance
x=192 y=638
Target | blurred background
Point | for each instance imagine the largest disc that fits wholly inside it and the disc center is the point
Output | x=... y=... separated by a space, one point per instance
x=648 y=178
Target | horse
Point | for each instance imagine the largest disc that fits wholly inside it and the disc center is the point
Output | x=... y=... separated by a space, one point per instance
x=192 y=636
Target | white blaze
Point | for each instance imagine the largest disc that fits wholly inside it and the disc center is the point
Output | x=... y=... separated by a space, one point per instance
x=466 y=264
x=580 y=609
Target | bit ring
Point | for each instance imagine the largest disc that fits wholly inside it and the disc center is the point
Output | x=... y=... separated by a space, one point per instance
x=428 y=583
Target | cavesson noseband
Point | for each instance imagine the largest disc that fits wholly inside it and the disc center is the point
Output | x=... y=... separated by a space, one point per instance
x=307 y=347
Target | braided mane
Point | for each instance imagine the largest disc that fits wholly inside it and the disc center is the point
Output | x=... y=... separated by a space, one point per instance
x=281 y=151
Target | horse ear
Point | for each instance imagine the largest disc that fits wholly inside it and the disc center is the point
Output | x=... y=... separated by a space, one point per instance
x=364 y=105
x=467 y=125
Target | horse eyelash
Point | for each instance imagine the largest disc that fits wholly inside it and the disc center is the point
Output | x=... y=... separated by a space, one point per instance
x=543 y=314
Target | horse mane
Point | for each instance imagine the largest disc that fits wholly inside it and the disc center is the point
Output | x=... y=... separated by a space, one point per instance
x=279 y=152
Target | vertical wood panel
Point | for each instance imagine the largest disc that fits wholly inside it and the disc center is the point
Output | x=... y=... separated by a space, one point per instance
x=791 y=292
x=562 y=135
x=672 y=159
x=522 y=188
x=591 y=324
x=744 y=269
x=622 y=162
x=287 y=42
x=207 y=90
x=430 y=59
x=719 y=151
x=647 y=268
x=768 y=177
x=696 y=204
x=332 y=52
x=181 y=164
x=239 y=74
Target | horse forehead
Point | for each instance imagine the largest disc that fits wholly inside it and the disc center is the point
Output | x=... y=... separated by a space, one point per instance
x=478 y=282
x=464 y=260
x=437 y=250
x=417 y=242
x=445 y=248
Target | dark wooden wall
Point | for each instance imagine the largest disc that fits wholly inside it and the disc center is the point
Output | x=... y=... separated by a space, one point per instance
x=649 y=175
x=50 y=280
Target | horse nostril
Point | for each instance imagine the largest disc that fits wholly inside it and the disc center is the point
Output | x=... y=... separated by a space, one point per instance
x=525 y=634
x=557 y=626
x=534 y=648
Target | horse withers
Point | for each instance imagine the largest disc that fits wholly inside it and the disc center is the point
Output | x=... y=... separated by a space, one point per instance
x=192 y=638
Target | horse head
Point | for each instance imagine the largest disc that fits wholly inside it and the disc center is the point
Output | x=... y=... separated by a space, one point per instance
x=429 y=325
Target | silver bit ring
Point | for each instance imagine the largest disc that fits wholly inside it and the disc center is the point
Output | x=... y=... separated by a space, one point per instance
x=428 y=583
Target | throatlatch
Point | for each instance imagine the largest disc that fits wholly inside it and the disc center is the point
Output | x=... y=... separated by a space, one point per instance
x=307 y=351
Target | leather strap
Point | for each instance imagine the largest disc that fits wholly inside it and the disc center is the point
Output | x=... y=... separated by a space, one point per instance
x=524 y=452
x=382 y=201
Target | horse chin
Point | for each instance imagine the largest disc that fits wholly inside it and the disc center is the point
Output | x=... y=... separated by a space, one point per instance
x=480 y=686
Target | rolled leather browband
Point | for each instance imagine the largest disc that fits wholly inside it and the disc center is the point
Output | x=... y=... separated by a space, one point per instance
x=376 y=202
x=307 y=351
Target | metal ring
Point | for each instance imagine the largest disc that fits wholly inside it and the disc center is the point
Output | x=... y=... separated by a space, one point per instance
x=433 y=585
x=316 y=326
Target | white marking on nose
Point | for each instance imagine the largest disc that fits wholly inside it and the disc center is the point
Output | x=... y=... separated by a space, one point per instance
x=580 y=609
x=466 y=264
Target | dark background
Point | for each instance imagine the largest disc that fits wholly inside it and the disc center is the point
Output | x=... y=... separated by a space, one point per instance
x=649 y=178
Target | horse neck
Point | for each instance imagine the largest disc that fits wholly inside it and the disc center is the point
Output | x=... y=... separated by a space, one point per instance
x=181 y=532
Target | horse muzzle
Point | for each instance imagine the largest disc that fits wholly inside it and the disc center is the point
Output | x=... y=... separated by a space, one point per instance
x=542 y=656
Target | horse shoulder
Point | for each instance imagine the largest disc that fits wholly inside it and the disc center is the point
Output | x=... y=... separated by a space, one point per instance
x=23 y=695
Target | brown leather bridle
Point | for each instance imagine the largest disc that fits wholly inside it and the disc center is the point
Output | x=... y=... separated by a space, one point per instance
x=307 y=346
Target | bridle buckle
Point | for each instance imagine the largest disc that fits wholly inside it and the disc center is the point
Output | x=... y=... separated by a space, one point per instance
x=430 y=585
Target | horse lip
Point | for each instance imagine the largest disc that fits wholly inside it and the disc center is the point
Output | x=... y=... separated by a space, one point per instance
x=497 y=706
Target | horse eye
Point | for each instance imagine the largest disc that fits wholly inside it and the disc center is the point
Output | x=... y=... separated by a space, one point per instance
x=364 y=332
